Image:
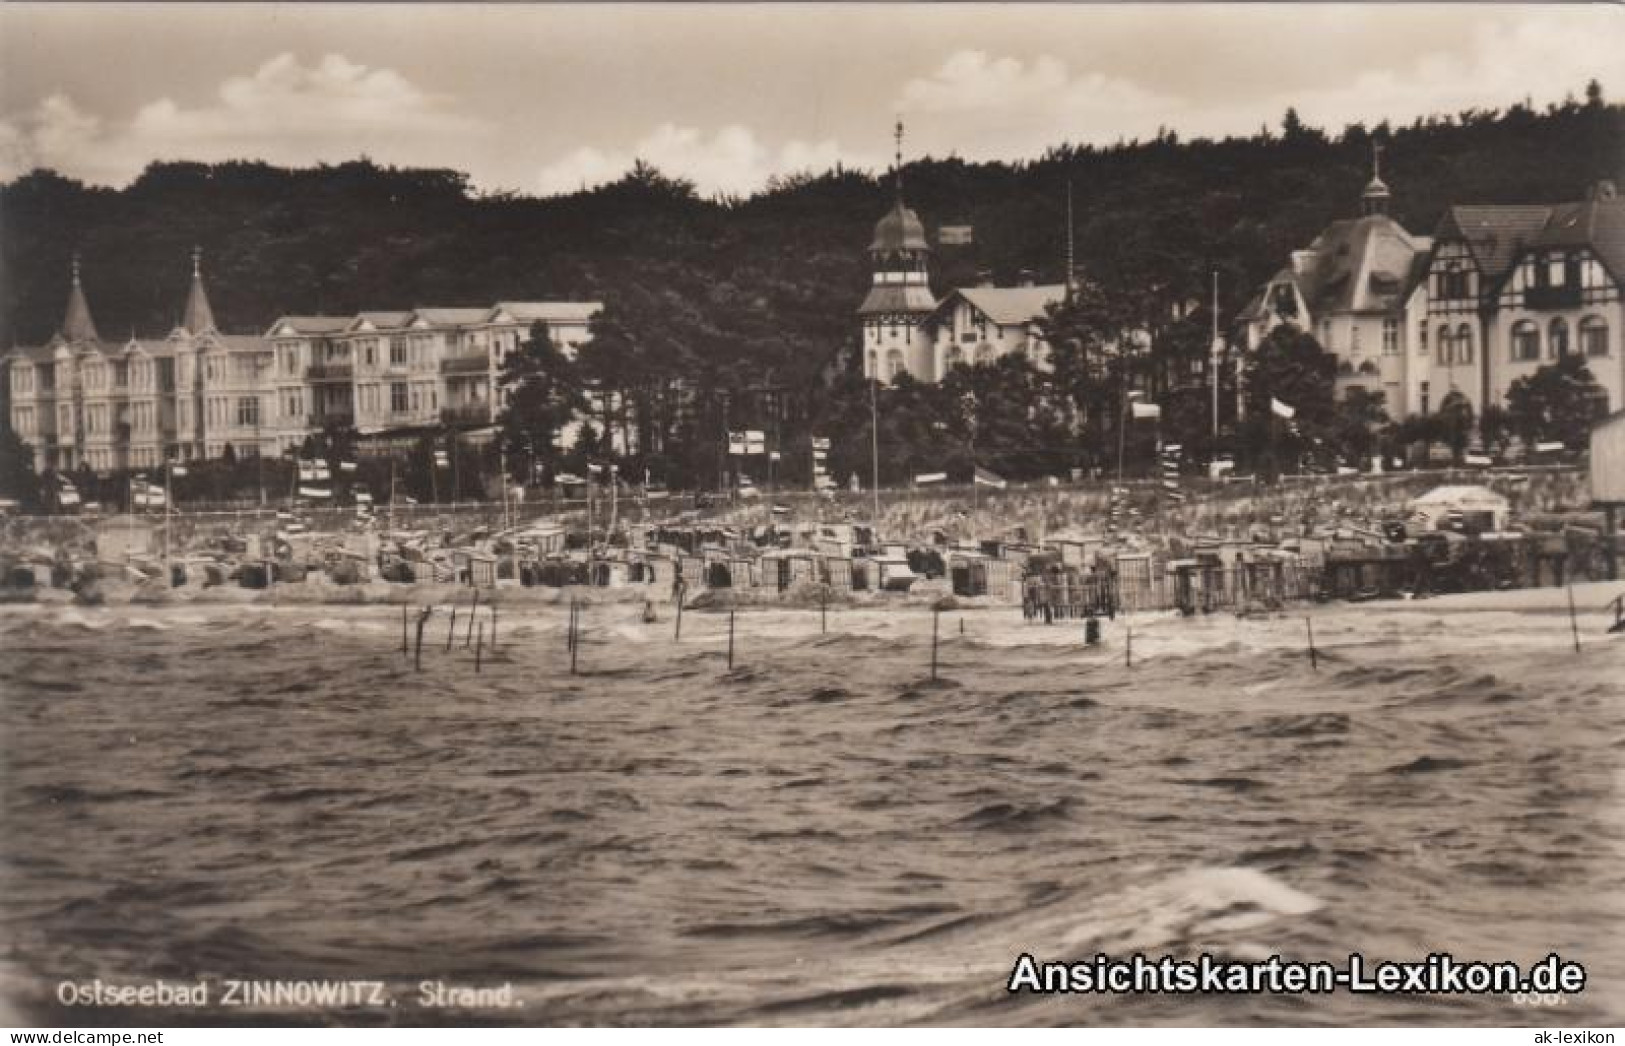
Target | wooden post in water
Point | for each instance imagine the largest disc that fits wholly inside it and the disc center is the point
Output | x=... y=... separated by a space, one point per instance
x=479 y=650
x=575 y=639
x=473 y=614
x=451 y=628
x=404 y=649
x=1574 y=622
x=493 y=627
x=1128 y=648
x=1314 y=659
x=423 y=619
x=823 y=611
x=677 y=633
x=730 y=640
x=570 y=628
x=936 y=622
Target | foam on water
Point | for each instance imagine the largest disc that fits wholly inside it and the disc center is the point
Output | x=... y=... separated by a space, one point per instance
x=822 y=835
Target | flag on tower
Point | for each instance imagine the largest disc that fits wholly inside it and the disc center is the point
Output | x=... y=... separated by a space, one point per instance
x=1147 y=410
x=1281 y=410
x=989 y=479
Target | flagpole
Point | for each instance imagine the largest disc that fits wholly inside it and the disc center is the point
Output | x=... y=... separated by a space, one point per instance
x=874 y=445
x=1213 y=363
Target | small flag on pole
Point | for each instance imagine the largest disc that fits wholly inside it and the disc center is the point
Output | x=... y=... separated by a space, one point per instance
x=177 y=470
x=1281 y=410
x=1146 y=410
x=989 y=479
x=930 y=477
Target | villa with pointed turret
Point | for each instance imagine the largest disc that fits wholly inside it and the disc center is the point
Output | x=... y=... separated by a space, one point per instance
x=79 y=401
x=1493 y=294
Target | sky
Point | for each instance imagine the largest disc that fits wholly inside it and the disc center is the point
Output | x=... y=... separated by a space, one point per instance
x=542 y=99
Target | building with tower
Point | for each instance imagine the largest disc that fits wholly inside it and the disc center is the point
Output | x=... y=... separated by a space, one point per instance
x=907 y=328
x=81 y=402
x=1358 y=288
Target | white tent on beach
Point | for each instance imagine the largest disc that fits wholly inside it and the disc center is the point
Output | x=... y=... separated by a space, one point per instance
x=1469 y=503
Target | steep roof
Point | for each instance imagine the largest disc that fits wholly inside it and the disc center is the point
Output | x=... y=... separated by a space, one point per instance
x=198 y=317
x=380 y=320
x=77 y=326
x=312 y=324
x=899 y=229
x=548 y=311
x=450 y=317
x=1359 y=265
x=891 y=298
x=1495 y=235
x=1013 y=305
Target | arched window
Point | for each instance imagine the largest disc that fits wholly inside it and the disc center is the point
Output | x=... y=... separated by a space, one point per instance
x=873 y=368
x=894 y=364
x=1558 y=337
x=1447 y=347
x=956 y=356
x=1464 y=344
x=1594 y=336
x=1525 y=341
x=1390 y=336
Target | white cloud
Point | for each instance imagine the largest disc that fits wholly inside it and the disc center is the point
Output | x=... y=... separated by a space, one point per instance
x=286 y=112
x=1003 y=103
x=733 y=160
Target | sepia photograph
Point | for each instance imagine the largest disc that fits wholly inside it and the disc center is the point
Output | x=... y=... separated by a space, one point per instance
x=648 y=516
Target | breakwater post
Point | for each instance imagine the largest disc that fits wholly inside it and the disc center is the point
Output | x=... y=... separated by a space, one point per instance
x=451 y=628
x=404 y=615
x=936 y=622
x=493 y=627
x=677 y=634
x=423 y=619
x=473 y=615
x=730 y=640
x=575 y=637
x=823 y=611
x=1574 y=622
x=1128 y=648
x=1314 y=659
x=479 y=650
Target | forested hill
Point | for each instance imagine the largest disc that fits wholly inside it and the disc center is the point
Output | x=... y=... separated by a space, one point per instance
x=779 y=272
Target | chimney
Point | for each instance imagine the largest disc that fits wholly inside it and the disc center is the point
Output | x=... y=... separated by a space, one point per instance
x=1026 y=278
x=1604 y=190
x=1302 y=261
x=984 y=277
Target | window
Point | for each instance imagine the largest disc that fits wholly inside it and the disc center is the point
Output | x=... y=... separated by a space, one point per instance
x=397 y=397
x=894 y=365
x=1354 y=339
x=368 y=354
x=1447 y=348
x=1594 y=336
x=1390 y=336
x=1525 y=341
x=248 y=411
x=1464 y=344
x=1557 y=337
x=956 y=356
x=1554 y=270
x=873 y=370
x=1422 y=338
x=397 y=352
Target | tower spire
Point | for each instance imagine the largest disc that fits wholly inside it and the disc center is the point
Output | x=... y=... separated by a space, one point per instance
x=897 y=168
x=77 y=326
x=1070 y=264
x=1374 y=201
x=198 y=317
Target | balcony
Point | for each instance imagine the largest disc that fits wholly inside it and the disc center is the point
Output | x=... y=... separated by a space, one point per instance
x=330 y=372
x=320 y=421
x=467 y=414
x=466 y=364
x=1566 y=296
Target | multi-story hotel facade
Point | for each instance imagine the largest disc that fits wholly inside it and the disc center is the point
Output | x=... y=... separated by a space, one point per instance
x=81 y=402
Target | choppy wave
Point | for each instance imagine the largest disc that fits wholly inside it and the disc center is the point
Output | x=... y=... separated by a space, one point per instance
x=825 y=834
